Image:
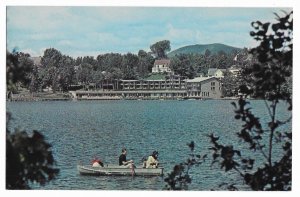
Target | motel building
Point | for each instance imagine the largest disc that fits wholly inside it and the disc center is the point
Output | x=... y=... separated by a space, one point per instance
x=162 y=84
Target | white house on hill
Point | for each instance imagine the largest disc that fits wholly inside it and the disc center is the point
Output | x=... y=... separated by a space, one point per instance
x=215 y=72
x=161 y=66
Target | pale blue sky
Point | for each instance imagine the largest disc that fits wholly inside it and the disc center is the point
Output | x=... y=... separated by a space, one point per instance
x=80 y=31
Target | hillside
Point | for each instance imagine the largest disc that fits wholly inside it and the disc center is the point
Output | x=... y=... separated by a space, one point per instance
x=200 y=49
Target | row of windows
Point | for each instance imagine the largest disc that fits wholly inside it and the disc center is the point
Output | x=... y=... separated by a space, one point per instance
x=214 y=83
x=214 y=88
x=156 y=82
x=205 y=93
x=159 y=66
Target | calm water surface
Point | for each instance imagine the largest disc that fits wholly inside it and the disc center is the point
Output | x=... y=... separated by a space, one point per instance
x=78 y=131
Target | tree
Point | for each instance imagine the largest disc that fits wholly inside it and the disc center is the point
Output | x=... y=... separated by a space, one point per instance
x=90 y=60
x=267 y=76
x=18 y=69
x=49 y=70
x=66 y=72
x=231 y=84
x=36 y=81
x=57 y=70
x=84 y=73
x=129 y=66
x=207 y=53
x=108 y=61
x=160 y=49
x=145 y=63
x=181 y=65
x=29 y=157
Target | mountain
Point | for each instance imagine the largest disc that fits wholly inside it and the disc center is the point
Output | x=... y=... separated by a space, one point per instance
x=201 y=48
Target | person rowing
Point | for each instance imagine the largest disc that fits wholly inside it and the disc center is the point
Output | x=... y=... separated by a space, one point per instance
x=124 y=163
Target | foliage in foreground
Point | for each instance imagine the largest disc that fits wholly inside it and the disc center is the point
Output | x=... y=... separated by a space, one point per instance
x=179 y=178
x=268 y=79
x=28 y=160
x=29 y=157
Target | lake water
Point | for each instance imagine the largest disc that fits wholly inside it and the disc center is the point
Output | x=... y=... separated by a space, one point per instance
x=80 y=130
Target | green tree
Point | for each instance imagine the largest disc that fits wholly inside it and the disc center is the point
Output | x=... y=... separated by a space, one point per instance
x=50 y=68
x=29 y=157
x=36 y=81
x=90 y=60
x=97 y=77
x=160 y=49
x=181 y=64
x=108 y=61
x=66 y=72
x=117 y=73
x=57 y=70
x=129 y=66
x=267 y=76
x=18 y=69
x=207 y=53
x=231 y=84
x=84 y=74
x=145 y=63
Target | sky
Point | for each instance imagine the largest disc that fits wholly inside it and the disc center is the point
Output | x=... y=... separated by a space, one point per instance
x=83 y=30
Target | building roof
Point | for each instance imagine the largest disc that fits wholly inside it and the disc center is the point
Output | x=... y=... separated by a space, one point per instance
x=162 y=61
x=200 y=79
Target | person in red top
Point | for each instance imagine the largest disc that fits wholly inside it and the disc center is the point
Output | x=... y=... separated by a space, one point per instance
x=97 y=162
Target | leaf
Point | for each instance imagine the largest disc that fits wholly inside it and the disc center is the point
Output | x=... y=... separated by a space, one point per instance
x=238 y=152
x=234 y=104
x=192 y=145
x=266 y=26
x=237 y=116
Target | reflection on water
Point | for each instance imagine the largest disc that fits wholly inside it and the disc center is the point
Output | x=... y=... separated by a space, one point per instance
x=81 y=130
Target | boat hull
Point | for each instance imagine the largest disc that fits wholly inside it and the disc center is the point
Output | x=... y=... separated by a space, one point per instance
x=119 y=171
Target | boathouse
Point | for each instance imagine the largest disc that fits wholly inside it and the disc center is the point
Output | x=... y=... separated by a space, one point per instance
x=204 y=87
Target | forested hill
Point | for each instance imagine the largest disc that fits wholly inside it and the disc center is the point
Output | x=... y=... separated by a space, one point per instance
x=201 y=48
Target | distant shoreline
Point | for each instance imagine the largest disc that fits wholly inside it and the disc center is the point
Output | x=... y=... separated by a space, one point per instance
x=50 y=96
x=39 y=99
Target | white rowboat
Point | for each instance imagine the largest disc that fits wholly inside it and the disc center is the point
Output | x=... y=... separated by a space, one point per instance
x=109 y=170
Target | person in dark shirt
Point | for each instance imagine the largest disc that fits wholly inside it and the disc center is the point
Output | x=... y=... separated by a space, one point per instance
x=123 y=161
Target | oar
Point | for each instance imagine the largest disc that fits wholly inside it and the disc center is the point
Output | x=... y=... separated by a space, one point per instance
x=132 y=169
